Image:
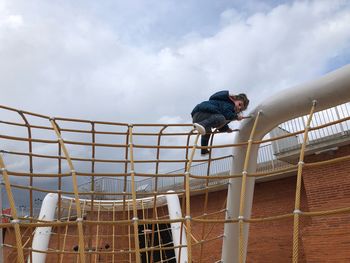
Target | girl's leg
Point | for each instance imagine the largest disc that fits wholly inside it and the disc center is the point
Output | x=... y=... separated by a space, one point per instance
x=208 y=121
x=205 y=142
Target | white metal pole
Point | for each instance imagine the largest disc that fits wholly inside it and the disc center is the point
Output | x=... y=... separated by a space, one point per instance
x=42 y=234
x=174 y=209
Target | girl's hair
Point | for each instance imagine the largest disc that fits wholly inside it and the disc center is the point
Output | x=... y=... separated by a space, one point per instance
x=243 y=97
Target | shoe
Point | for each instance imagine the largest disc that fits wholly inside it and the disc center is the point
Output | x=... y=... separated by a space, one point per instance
x=199 y=128
x=204 y=151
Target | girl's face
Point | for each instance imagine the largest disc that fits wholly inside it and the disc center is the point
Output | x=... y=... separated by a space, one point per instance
x=239 y=105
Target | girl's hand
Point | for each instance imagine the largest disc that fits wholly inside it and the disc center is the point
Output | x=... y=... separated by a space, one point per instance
x=229 y=130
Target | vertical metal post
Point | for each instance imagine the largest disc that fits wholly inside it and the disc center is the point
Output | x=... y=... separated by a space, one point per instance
x=42 y=235
x=338 y=118
x=178 y=233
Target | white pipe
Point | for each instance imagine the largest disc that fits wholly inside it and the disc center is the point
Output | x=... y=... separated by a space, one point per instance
x=42 y=234
x=330 y=90
x=174 y=209
x=118 y=205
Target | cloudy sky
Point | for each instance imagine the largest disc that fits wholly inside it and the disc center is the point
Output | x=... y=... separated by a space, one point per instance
x=152 y=61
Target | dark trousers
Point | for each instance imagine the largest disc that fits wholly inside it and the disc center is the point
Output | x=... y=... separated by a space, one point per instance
x=209 y=121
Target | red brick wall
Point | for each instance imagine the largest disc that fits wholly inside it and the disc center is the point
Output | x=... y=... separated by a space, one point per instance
x=211 y=251
x=322 y=238
x=327 y=238
x=272 y=241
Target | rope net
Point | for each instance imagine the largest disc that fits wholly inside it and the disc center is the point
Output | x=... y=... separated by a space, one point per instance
x=112 y=181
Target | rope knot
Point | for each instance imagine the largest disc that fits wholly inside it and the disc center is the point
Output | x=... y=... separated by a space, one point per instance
x=15 y=221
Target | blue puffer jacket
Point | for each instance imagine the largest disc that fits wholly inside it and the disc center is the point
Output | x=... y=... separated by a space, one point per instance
x=218 y=103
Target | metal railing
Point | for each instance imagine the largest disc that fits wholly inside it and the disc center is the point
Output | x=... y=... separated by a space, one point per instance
x=110 y=184
x=329 y=133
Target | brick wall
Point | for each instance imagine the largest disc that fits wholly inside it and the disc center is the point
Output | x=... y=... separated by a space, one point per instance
x=327 y=238
x=272 y=241
x=211 y=251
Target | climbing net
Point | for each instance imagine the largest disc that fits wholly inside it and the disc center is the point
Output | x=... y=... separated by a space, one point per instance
x=126 y=218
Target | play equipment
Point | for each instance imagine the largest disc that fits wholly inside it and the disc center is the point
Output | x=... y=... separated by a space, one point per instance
x=106 y=194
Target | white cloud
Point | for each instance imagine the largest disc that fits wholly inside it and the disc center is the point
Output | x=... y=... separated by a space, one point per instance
x=170 y=119
x=12 y=21
x=79 y=65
